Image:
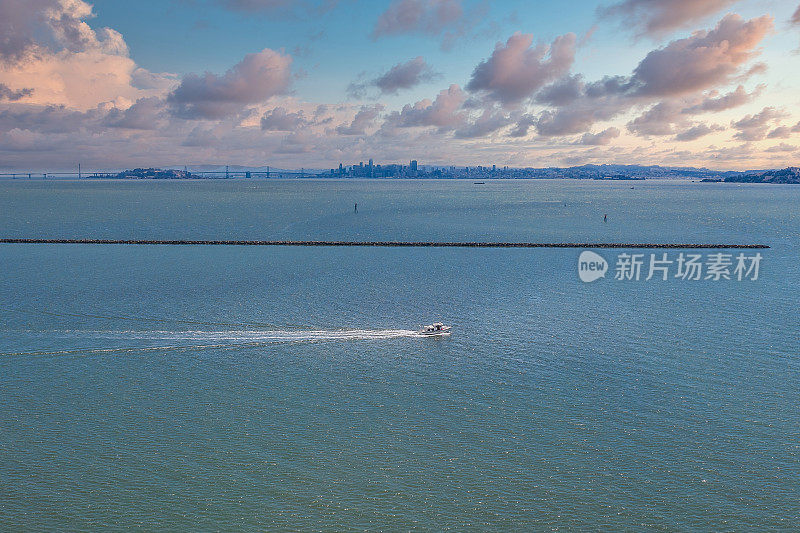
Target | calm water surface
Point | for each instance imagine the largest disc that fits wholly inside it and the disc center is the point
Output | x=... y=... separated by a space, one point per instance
x=175 y=388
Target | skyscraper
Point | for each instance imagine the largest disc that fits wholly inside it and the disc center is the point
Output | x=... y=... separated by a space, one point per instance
x=414 y=165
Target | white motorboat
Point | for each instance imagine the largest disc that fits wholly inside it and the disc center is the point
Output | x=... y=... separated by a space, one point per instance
x=435 y=330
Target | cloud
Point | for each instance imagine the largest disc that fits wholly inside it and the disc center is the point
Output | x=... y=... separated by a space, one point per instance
x=444 y=112
x=88 y=98
x=81 y=80
x=658 y=120
x=675 y=113
x=598 y=101
x=11 y=95
x=445 y=19
x=781 y=132
x=755 y=127
x=781 y=148
x=18 y=21
x=401 y=76
x=278 y=119
x=516 y=70
x=666 y=79
x=451 y=111
x=697 y=131
x=488 y=122
x=47 y=46
x=200 y=137
x=74 y=34
x=742 y=152
x=705 y=59
x=405 y=76
x=143 y=115
x=600 y=139
x=659 y=17
x=316 y=7
x=578 y=117
x=562 y=92
x=146 y=80
x=30 y=27
x=430 y=17
x=251 y=81
x=48 y=119
x=715 y=103
x=523 y=125
x=254 y=5
x=364 y=119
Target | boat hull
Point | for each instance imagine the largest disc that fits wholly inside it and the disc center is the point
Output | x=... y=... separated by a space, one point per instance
x=435 y=330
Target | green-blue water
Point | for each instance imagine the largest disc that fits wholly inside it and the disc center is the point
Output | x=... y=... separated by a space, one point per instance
x=259 y=388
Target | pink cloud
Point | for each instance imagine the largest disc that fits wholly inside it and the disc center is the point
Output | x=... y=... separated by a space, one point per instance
x=48 y=47
x=666 y=79
x=30 y=27
x=704 y=60
x=145 y=114
x=68 y=90
x=658 y=120
x=49 y=119
x=405 y=75
x=659 y=17
x=253 y=80
x=488 y=122
x=279 y=119
x=443 y=113
x=715 y=102
x=697 y=131
x=756 y=127
x=418 y=16
x=603 y=138
x=364 y=119
x=13 y=95
x=516 y=70
x=781 y=148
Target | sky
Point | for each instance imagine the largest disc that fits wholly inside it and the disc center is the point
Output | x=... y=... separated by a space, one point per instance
x=315 y=83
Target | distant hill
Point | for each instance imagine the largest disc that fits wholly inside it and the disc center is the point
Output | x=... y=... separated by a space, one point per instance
x=630 y=171
x=155 y=174
x=789 y=175
x=597 y=172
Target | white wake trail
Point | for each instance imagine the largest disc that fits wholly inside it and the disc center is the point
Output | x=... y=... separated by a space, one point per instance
x=247 y=335
x=195 y=340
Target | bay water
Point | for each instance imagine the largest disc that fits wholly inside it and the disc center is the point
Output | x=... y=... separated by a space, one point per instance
x=284 y=388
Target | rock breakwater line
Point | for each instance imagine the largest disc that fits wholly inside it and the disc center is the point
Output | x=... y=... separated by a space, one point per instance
x=395 y=244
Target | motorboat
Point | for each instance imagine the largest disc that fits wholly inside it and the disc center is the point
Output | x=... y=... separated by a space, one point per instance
x=435 y=330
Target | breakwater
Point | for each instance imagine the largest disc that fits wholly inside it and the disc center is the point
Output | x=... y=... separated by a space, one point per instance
x=395 y=244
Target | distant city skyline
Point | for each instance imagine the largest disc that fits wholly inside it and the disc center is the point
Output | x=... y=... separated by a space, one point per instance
x=413 y=170
x=705 y=83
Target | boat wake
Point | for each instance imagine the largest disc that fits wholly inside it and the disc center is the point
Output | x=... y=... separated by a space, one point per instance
x=160 y=340
x=255 y=335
